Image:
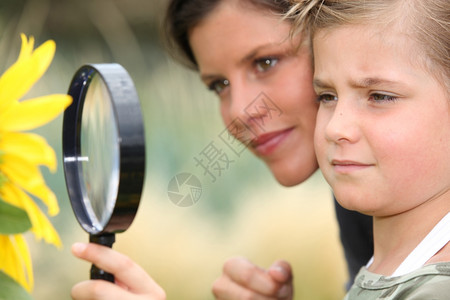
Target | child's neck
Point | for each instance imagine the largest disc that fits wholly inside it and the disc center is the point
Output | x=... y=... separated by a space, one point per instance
x=396 y=236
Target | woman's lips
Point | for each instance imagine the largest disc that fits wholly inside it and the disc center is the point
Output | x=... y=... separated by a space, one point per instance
x=266 y=144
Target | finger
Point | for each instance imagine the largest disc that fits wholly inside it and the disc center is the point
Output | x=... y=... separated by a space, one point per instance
x=250 y=276
x=123 y=268
x=226 y=289
x=281 y=271
x=96 y=290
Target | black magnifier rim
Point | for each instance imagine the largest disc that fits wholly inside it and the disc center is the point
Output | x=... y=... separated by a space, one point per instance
x=127 y=110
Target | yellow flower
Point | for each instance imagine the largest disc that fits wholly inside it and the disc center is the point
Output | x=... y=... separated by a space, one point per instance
x=22 y=154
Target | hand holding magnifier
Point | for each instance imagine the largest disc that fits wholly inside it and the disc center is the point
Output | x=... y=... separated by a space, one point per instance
x=104 y=152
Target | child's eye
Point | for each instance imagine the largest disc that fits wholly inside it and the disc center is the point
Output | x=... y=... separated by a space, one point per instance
x=218 y=86
x=326 y=98
x=265 y=64
x=377 y=97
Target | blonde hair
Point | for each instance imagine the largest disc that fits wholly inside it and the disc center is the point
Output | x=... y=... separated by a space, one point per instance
x=426 y=22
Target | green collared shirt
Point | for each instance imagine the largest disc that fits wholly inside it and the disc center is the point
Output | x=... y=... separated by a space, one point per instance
x=431 y=282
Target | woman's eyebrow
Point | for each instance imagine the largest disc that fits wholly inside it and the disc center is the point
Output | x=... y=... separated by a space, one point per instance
x=250 y=56
x=208 y=77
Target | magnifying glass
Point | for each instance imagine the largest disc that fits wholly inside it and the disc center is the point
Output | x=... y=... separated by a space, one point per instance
x=104 y=153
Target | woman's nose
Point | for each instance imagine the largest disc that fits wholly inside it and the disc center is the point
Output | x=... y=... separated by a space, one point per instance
x=251 y=105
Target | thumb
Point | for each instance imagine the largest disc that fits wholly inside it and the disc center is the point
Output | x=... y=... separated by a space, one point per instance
x=280 y=271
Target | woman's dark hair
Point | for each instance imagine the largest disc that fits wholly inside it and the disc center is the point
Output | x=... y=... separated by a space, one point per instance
x=183 y=15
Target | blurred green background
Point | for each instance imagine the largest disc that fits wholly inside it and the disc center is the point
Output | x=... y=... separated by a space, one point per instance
x=244 y=212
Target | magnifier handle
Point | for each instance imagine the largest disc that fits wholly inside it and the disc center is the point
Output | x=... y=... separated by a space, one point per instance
x=97 y=273
x=106 y=239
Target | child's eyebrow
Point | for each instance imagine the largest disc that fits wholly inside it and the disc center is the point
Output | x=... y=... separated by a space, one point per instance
x=362 y=83
x=371 y=82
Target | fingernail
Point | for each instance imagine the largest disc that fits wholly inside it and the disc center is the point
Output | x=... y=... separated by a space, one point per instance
x=78 y=248
x=279 y=269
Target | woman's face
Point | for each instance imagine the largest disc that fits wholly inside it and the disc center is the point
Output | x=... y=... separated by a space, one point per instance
x=264 y=82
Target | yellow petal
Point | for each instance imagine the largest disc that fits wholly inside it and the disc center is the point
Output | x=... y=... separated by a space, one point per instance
x=21 y=76
x=16 y=261
x=24 y=254
x=9 y=196
x=29 y=146
x=33 y=113
x=46 y=231
x=29 y=177
x=41 y=226
x=27 y=47
x=8 y=263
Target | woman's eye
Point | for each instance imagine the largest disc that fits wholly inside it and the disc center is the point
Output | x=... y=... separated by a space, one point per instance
x=218 y=86
x=326 y=98
x=382 y=98
x=264 y=64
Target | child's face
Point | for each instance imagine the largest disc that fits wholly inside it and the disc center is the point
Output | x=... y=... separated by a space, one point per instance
x=383 y=128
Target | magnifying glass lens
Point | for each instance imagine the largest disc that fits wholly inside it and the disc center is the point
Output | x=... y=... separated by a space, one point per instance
x=100 y=155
